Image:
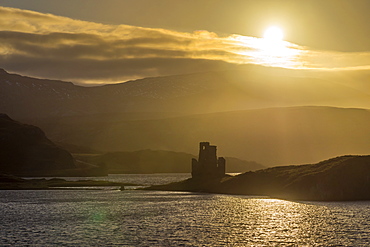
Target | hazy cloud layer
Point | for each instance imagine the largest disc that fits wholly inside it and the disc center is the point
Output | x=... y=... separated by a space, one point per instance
x=51 y=46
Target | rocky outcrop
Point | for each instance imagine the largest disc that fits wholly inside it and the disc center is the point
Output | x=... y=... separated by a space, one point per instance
x=26 y=151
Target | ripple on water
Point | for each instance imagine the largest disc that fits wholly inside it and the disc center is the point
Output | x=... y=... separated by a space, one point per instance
x=150 y=218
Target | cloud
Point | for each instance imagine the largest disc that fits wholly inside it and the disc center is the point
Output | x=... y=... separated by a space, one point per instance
x=50 y=46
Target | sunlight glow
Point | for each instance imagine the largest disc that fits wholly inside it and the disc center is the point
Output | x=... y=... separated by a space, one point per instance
x=272 y=50
x=273 y=34
x=269 y=52
x=276 y=53
x=273 y=45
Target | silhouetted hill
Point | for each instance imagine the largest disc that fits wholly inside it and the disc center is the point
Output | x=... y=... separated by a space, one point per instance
x=337 y=179
x=275 y=136
x=9 y=178
x=341 y=178
x=25 y=150
x=155 y=161
x=235 y=165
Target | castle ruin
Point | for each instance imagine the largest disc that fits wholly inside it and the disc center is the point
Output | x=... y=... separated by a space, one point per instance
x=207 y=165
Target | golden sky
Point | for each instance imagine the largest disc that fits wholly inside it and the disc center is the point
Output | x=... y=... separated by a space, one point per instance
x=91 y=42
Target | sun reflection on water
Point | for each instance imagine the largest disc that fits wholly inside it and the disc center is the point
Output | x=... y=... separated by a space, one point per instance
x=273 y=221
x=152 y=218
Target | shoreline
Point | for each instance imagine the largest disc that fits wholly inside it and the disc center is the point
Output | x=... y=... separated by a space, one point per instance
x=14 y=183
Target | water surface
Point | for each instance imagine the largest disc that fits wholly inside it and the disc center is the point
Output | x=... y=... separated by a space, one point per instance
x=155 y=218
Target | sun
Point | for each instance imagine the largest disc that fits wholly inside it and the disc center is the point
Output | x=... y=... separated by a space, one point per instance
x=269 y=50
x=274 y=34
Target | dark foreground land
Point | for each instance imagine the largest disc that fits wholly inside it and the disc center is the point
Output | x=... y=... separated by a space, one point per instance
x=339 y=179
x=8 y=182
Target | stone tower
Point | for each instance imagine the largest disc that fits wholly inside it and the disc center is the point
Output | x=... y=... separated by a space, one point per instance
x=207 y=165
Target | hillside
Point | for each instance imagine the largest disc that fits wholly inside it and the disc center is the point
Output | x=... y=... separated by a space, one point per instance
x=338 y=179
x=155 y=161
x=341 y=178
x=26 y=151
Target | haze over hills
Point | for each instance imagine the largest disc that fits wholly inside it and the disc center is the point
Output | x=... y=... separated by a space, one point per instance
x=157 y=161
x=268 y=115
x=255 y=87
x=26 y=151
x=272 y=136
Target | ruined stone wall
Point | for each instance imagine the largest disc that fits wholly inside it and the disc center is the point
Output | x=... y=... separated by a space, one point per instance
x=207 y=165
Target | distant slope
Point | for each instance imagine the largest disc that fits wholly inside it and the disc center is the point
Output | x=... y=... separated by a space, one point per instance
x=339 y=179
x=274 y=136
x=157 y=161
x=254 y=87
x=77 y=149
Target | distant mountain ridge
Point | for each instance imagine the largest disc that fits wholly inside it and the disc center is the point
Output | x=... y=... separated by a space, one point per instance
x=25 y=97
